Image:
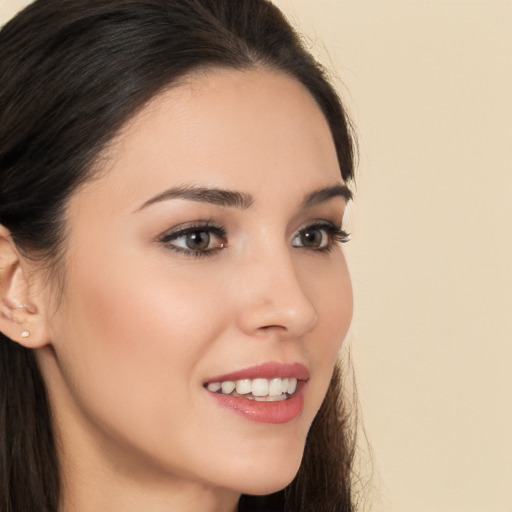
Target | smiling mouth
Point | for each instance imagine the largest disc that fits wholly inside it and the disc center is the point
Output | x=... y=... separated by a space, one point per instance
x=261 y=390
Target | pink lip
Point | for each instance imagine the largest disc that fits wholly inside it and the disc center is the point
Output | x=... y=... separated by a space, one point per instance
x=282 y=411
x=266 y=371
x=264 y=412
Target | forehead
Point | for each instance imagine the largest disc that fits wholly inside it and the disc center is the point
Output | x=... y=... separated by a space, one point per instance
x=225 y=128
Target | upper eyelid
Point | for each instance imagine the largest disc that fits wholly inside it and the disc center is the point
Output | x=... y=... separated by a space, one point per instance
x=209 y=225
x=319 y=223
x=188 y=227
x=329 y=226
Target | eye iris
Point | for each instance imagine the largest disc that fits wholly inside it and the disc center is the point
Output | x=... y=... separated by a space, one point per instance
x=198 y=240
x=311 y=238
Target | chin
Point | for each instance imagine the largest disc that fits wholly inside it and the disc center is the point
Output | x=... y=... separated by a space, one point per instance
x=275 y=475
x=266 y=487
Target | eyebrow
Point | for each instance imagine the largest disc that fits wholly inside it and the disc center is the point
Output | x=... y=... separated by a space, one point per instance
x=324 y=194
x=217 y=196
x=232 y=199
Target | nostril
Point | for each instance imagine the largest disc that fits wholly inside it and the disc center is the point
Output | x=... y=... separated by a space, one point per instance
x=283 y=323
x=269 y=328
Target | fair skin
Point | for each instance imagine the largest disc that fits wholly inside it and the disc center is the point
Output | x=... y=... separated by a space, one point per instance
x=147 y=319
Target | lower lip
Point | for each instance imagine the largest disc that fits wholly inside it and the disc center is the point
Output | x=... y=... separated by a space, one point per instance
x=282 y=411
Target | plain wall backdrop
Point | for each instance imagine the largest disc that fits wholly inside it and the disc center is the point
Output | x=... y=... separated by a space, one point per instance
x=428 y=84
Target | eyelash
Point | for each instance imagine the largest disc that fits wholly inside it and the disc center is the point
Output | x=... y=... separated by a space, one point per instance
x=201 y=227
x=333 y=232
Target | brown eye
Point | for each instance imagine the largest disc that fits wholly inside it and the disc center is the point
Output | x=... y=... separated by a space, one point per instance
x=319 y=237
x=314 y=237
x=197 y=241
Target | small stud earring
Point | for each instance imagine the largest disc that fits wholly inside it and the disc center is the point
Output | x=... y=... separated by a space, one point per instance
x=25 y=334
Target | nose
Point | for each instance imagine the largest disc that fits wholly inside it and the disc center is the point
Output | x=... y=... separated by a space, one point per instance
x=273 y=299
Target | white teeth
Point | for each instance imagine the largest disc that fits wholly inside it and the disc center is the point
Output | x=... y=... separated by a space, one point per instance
x=260 y=387
x=269 y=389
x=228 y=387
x=274 y=388
x=214 y=386
x=243 y=386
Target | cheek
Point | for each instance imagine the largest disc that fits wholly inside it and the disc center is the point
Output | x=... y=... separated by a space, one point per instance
x=339 y=307
x=131 y=344
x=331 y=290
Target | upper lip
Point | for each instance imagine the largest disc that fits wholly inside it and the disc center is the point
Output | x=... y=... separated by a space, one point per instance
x=265 y=371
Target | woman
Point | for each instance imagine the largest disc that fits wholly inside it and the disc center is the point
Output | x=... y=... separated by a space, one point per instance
x=173 y=181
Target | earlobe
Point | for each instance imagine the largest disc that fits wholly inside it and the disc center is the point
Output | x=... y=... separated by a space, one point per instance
x=20 y=317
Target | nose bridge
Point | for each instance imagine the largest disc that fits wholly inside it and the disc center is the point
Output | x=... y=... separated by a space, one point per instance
x=273 y=296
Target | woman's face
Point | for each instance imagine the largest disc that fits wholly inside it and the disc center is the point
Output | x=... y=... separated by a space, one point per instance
x=205 y=253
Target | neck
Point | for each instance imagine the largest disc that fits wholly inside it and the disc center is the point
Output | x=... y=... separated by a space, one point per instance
x=109 y=489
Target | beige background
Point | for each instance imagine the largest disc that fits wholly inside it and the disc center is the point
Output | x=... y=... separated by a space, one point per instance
x=428 y=84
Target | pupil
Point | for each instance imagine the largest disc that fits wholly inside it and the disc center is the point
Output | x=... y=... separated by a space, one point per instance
x=199 y=240
x=312 y=238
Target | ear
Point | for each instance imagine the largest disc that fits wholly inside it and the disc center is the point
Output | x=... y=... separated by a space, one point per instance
x=21 y=317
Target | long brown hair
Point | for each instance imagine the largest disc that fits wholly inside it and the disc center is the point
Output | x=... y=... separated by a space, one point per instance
x=72 y=72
